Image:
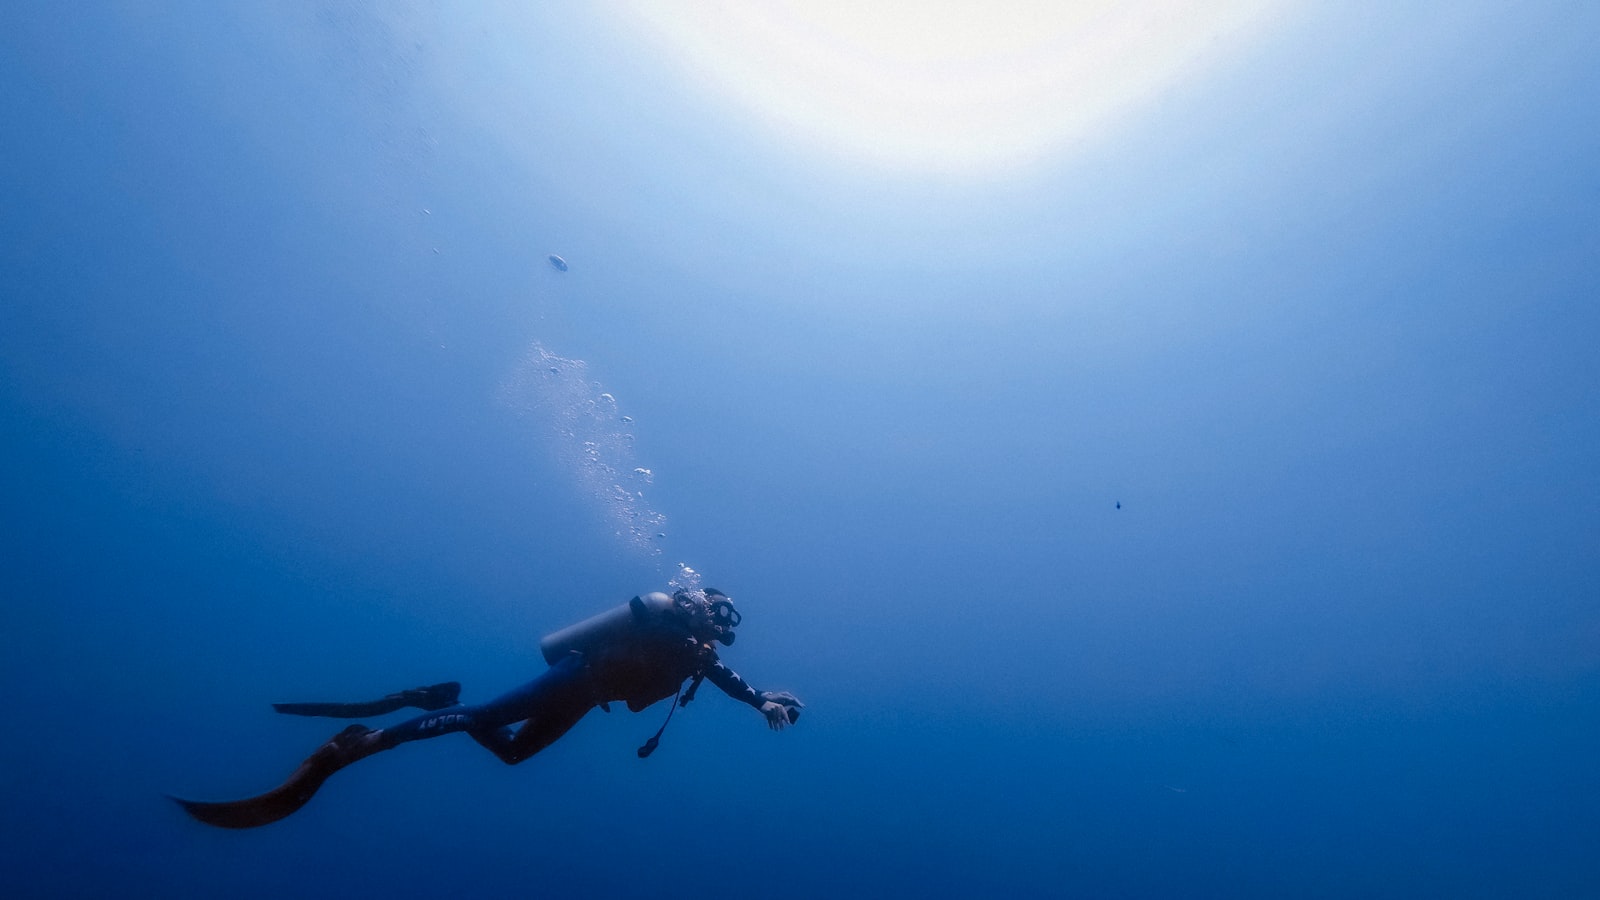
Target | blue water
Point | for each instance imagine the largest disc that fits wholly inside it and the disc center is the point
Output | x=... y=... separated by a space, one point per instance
x=279 y=422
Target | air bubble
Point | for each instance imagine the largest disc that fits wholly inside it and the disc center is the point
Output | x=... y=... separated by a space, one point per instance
x=594 y=440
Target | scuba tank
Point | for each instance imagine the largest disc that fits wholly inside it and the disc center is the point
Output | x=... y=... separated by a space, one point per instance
x=646 y=613
x=611 y=626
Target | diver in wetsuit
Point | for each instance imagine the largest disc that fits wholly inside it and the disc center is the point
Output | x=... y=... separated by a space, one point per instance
x=638 y=654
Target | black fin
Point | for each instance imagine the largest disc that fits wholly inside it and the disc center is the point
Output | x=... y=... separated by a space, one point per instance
x=283 y=800
x=343 y=710
x=433 y=697
x=437 y=696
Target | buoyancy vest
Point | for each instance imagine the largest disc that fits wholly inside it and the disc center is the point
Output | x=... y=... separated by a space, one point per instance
x=639 y=653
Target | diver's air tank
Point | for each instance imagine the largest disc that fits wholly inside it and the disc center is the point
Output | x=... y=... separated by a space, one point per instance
x=611 y=625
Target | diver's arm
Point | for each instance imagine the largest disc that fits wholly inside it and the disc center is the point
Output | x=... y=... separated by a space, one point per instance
x=781 y=707
x=732 y=685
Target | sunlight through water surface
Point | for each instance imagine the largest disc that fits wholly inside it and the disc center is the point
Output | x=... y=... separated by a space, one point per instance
x=951 y=87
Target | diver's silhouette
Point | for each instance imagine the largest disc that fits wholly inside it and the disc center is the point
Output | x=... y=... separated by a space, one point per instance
x=638 y=654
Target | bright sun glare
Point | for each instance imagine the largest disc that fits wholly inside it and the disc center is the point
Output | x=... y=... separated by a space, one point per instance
x=941 y=86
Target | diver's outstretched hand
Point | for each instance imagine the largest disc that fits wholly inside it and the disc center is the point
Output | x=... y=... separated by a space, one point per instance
x=777 y=715
x=781 y=708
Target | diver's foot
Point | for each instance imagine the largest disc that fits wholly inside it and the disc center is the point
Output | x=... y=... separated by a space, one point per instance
x=353 y=743
x=433 y=697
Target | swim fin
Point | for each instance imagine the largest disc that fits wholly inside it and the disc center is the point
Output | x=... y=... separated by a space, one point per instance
x=345 y=748
x=437 y=696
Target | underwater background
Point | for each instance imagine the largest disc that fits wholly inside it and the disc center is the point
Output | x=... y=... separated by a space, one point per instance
x=1201 y=503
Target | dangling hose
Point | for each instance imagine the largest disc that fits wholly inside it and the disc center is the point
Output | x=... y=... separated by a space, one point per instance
x=682 y=699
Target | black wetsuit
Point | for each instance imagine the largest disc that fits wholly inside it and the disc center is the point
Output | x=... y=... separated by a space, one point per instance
x=639 y=672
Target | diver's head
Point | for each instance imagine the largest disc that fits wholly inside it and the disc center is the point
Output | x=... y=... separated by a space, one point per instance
x=709 y=614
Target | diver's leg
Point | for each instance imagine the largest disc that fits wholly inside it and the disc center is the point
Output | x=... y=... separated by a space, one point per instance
x=355 y=743
x=560 y=696
x=537 y=733
x=554 y=719
x=548 y=707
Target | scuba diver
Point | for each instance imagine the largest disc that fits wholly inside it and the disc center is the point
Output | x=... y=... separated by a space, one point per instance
x=639 y=654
